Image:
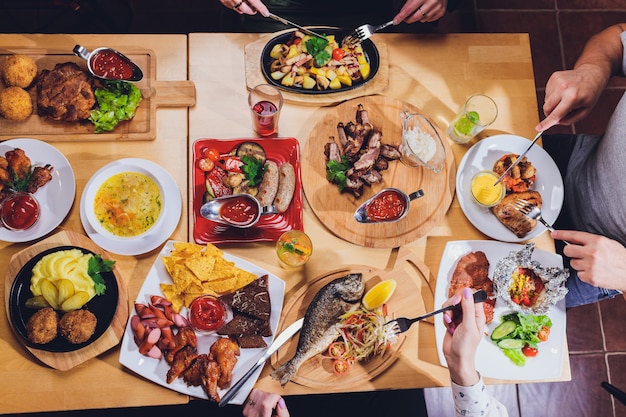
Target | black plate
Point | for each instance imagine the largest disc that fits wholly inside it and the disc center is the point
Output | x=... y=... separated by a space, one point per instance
x=102 y=306
x=369 y=49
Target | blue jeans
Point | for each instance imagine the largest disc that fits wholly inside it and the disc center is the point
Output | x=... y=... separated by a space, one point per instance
x=579 y=293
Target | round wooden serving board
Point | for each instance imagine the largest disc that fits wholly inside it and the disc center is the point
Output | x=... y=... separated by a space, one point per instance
x=335 y=209
x=64 y=361
x=407 y=301
x=254 y=76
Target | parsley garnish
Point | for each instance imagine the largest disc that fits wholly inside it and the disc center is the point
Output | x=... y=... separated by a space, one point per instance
x=315 y=46
x=95 y=267
x=253 y=169
x=336 y=171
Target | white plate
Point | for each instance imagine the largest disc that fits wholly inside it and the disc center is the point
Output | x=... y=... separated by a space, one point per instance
x=490 y=361
x=483 y=155
x=160 y=232
x=55 y=198
x=156 y=370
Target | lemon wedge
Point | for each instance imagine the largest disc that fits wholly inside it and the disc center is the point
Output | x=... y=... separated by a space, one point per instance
x=379 y=294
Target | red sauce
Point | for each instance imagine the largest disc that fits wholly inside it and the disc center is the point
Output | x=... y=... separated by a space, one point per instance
x=389 y=205
x=207 y=313
x=239 y=211
x=108 y=64
x=20 y=211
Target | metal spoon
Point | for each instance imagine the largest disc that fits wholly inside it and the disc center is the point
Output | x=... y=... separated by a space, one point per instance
x=82 y=52
x=211 y=210
x=361 y=214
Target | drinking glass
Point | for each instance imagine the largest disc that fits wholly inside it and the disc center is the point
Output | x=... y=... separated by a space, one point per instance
x=265 y=102
x=478 y=112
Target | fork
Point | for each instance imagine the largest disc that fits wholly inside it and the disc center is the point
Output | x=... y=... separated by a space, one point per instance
x=402 y=324
x=363 y=32
x=532 y=211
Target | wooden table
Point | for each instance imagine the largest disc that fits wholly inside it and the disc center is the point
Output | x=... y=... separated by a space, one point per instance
x=434 y=73
x=100 y=382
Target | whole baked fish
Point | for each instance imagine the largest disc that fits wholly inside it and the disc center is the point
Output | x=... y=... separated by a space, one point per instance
x=321 y=321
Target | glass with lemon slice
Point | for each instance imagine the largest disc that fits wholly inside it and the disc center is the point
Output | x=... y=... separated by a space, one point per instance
x=478 y=112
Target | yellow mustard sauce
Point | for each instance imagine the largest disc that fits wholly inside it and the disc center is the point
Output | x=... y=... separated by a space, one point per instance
x=128 y=204
x=484 y=191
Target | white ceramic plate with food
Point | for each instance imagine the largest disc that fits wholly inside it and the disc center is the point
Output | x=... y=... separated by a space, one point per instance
x=490 y=361
x=482 y=156
x=55 y=198
x=163 y=228
x=156 y=369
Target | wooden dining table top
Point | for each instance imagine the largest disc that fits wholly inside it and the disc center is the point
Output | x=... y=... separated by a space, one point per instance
x=434 y=73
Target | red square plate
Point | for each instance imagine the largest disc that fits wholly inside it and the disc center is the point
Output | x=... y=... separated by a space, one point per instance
x=270 y=227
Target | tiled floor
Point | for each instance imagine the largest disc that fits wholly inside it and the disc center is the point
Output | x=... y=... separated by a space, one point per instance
x=558 y=30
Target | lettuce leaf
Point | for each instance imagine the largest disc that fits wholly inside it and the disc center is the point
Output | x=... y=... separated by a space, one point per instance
x=118 y=101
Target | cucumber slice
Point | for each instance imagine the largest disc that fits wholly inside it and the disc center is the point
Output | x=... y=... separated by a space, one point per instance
x=504 y=329
x=511 y=344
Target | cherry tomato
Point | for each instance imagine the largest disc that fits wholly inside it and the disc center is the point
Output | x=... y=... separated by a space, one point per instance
x=336 y=350
x=212 y=154
x=543 y=334
x=529 y=351
x=205 y=164
x=338 y=53
x=340 y=366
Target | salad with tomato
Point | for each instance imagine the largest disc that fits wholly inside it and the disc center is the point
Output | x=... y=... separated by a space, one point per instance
x=525 y=287
x=519 y=335
x=363 y=335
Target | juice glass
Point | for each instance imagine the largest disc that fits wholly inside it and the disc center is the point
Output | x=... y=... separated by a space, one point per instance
x=478 y=112
x=265 y=103
x=294 y=248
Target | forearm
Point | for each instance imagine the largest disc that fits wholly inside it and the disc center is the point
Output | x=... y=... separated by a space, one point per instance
x=603 y=53
x=475 y=400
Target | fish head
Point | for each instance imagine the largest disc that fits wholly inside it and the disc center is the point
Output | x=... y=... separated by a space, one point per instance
x=351 y=288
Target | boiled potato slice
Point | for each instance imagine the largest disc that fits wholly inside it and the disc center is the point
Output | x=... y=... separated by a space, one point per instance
x=276 y=51
x=75 y=302
x=335 y=84
x=308 y=82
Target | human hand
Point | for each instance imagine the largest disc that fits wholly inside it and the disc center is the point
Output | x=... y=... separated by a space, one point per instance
x=421 y=11
x=460 y=342
x=263 y=404
x=250 y=7
x=598 y=259
x=570 y=95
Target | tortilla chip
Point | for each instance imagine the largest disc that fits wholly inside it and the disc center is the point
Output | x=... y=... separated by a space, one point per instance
x=223 y=286
x=212 y=250
x=201 y=266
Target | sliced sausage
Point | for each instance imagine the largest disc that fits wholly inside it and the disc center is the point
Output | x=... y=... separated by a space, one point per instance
x=269 y=184
x=286 y=187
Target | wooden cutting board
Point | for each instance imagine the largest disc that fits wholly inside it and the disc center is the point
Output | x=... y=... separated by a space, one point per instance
x=142 y=127
x=410 y=298
x=335 y=209
x=64 y=361
x=254 y=76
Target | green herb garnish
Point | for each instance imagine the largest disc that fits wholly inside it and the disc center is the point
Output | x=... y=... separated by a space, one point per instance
x=18 y=182
x=253 y=169
x=336 y=171
x=95 y=267
x=316 y=47
x=116 y=102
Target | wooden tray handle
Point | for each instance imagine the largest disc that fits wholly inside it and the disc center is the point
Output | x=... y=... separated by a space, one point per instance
x=173 y=93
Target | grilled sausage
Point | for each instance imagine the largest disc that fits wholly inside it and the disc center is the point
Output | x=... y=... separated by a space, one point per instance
x=286 y=187
x=269 y=184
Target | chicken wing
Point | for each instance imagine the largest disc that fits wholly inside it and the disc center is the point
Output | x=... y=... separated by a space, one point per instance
x=210 y=379
x=19 y=163
x=225 y=351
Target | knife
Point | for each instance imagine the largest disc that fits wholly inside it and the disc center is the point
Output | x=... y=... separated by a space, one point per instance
x=280 y=340
x=289 y=23
x=519 y=158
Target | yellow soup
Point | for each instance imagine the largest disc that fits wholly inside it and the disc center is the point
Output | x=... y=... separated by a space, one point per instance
x=128 y=204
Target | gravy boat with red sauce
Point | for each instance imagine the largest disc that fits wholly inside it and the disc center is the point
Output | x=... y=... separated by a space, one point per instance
x=237 y=210
x=109 y=64
x=386 y=206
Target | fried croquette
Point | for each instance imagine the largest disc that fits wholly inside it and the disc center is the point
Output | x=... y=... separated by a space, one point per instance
x=19 y=71
x=42 y=327
x=78 y=326
x=15 y=104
